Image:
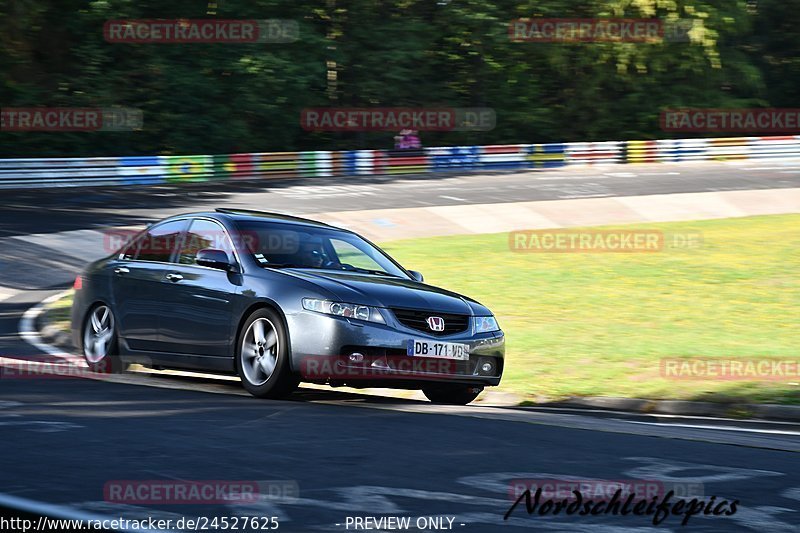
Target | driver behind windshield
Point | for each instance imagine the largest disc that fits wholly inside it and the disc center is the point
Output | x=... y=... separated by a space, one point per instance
x=312 y=254
x=280 y=245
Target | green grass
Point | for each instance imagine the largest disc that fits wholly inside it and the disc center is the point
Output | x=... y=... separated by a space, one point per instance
x=598 y=324
x=57 y=313
x=582 y=324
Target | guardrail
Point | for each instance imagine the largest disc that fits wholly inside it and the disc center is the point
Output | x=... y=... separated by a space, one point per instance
x=72 y=172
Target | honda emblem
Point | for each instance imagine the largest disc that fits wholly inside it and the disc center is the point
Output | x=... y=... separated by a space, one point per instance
x=436 y=323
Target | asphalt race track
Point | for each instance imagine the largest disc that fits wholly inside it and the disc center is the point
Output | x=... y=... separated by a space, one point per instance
x=325 y=458
x=347 y=456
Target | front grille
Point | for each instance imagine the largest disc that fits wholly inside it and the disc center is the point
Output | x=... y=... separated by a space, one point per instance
x=418 y=320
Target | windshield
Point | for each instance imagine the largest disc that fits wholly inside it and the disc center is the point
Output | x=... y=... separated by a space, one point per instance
x=297 y=246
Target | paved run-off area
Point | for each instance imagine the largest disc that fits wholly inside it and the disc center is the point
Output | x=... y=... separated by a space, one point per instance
x=63 y=253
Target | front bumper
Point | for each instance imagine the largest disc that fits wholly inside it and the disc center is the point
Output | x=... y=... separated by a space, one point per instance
x=322 y=345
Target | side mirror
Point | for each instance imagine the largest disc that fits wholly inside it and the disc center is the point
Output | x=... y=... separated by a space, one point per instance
x=416 y=275
x=212 y=258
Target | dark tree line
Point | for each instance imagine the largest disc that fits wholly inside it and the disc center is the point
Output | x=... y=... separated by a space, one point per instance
x=220 y=98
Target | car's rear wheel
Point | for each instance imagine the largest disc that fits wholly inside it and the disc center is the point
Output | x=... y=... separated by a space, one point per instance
x=452 y=394
x=100 y=341
x=262 y=357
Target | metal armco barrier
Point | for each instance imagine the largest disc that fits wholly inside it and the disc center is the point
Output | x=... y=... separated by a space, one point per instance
x=73 y=172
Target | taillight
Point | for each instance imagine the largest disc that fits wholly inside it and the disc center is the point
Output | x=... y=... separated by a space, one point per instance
x=78 y=285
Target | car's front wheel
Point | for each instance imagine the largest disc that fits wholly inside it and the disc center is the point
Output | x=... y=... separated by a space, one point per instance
x=262 y=358
x=452 y=394
x=100 y=341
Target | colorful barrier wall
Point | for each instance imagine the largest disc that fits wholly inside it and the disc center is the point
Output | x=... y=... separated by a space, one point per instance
x=72 y=172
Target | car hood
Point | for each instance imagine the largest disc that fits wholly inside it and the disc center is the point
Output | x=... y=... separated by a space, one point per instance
x=383 y=291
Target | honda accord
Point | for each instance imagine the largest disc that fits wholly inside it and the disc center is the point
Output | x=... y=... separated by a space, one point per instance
x=278 y=300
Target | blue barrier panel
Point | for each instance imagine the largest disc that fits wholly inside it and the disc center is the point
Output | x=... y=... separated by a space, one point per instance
x=140 y=170
x=348 y=164
x=438 y=158
x=467 y=157
x=554 y=148
x=454 y=158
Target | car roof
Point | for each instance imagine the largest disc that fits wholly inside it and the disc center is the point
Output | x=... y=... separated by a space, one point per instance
x=249 y=214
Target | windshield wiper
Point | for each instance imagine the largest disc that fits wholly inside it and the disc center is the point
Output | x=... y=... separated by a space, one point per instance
x=376 y=272
x=343 y=269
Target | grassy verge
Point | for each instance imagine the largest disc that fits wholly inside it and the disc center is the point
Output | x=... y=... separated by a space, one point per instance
x=57 y=314
x=599 y=324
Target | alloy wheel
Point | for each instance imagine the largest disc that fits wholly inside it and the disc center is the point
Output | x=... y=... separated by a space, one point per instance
x=260 y=349
x=98 y=334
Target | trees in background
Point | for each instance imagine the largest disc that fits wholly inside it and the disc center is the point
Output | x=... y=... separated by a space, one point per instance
x=219 y=98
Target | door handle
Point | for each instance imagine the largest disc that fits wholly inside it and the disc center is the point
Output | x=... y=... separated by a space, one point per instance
x=174 y=277
x=121 y=270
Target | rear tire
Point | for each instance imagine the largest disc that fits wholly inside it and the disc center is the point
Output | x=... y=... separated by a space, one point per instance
x=262 y=356
x=452 y=394
x=100 y=346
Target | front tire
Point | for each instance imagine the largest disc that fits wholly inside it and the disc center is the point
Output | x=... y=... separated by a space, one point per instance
x=262 y=356
x=100 y=347
x=452 y=394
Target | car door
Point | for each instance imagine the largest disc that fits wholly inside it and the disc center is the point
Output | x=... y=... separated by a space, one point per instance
x=136 y=283
x=198 y=300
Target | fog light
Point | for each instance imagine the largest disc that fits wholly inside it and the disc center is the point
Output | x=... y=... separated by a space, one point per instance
x=356 y=357
x=485 y=367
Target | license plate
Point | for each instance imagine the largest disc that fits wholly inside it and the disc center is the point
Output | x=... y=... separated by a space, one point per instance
x=438 y=350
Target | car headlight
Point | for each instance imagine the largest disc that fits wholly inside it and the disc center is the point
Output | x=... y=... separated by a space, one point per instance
x=359 y=312
x=485 y=324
